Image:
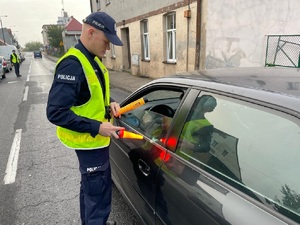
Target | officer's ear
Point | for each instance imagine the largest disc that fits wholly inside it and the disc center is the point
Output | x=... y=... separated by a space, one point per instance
x=91 y=32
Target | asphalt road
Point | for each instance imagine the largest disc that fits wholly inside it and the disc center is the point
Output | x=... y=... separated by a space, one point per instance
x=43 y=182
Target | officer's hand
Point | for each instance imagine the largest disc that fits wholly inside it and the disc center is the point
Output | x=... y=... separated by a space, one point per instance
x=108 y=130
x=114 y=108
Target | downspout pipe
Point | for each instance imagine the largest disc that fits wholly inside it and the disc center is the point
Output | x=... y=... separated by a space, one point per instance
x=188 y=37
x=198 y=34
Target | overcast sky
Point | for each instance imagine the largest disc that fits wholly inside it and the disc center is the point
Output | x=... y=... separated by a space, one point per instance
x=26 y=17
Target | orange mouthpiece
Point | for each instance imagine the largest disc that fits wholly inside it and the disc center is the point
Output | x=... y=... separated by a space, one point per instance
x=129 y=135
x=133 y=105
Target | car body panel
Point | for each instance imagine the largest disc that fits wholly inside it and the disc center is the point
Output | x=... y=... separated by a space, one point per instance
x=6 y=51
x=168 y=184
x=2 y=71
x=4 y=66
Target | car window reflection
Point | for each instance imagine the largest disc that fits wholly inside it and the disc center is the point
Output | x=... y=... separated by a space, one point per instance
x=197 y=131
x=250 y=145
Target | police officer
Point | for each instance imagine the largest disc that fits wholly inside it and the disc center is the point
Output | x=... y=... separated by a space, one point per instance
x=78 y=104
x=16 y=62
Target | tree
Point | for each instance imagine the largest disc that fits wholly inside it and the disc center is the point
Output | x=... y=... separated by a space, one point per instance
x=54 y=33
x=33 y=46
x=290 y=202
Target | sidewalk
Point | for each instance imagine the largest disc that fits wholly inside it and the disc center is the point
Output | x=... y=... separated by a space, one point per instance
x=123 y=80
x=127 y=81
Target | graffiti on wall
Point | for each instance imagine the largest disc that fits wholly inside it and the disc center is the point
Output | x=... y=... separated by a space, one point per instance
x=226 y=53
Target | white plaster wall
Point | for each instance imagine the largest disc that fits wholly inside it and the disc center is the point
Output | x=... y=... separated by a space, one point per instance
x=124 y=9
x=236 y=29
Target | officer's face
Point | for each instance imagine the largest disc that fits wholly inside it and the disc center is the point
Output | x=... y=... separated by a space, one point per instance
x=99 y=43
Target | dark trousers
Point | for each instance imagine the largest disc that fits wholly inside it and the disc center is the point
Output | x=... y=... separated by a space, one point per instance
x=96 y=186
x=17 y=68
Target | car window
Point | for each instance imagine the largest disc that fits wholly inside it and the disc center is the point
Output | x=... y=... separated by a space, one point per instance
x=155 y=116
x=244 y=144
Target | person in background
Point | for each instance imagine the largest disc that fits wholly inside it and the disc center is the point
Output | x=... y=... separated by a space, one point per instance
x=15 y=60
x=79 y=103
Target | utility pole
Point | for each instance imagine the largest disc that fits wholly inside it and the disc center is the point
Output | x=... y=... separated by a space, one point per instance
x=63 y=8
x=2 y=28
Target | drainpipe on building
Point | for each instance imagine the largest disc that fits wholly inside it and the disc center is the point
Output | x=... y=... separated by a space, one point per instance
x=198 y=34
x=188 y=16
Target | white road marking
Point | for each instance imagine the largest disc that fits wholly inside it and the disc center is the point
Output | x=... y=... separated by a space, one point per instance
x=29 y=67
x=29 y=70
x=12 y=164
x=25 y=93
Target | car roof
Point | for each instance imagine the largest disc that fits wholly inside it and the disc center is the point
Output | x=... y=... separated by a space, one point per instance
x=279 y=86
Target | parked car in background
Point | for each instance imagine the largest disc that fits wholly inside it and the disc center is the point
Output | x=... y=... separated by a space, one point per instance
x=218 y=147
x=4 y=66
x=9 y=66
x=6 y=51
x=37 y=54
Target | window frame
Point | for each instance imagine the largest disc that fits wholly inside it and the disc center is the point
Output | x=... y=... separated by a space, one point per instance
x=112 y=51
x=170 y=37
x=145 y=40
x=170 y=88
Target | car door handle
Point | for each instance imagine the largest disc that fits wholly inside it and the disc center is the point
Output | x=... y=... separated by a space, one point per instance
x=144 y=168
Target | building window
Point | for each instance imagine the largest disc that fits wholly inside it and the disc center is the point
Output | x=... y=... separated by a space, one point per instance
x=98 y=5
x=171 y=37
x=145 y=40
x=112 y=51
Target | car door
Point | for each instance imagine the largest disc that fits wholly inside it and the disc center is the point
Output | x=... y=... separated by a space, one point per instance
x=247 y=175
x=135 y=163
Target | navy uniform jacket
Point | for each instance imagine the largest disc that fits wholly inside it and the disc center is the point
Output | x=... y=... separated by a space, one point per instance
x=69 y=90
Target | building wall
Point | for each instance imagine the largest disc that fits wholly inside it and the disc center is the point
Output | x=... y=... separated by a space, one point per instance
x=233 y=33
x=7 y=36
x=45 y=36
x=236 y=30
x=132 y=49
x=126 y=10
x=70 y=39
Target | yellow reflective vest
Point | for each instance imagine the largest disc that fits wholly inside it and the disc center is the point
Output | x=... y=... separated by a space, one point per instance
x=189 y=129
x=93 y=109
x=15 y=58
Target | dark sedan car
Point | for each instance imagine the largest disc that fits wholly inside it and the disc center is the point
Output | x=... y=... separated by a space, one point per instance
x=37 y=54
x=219 y=147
